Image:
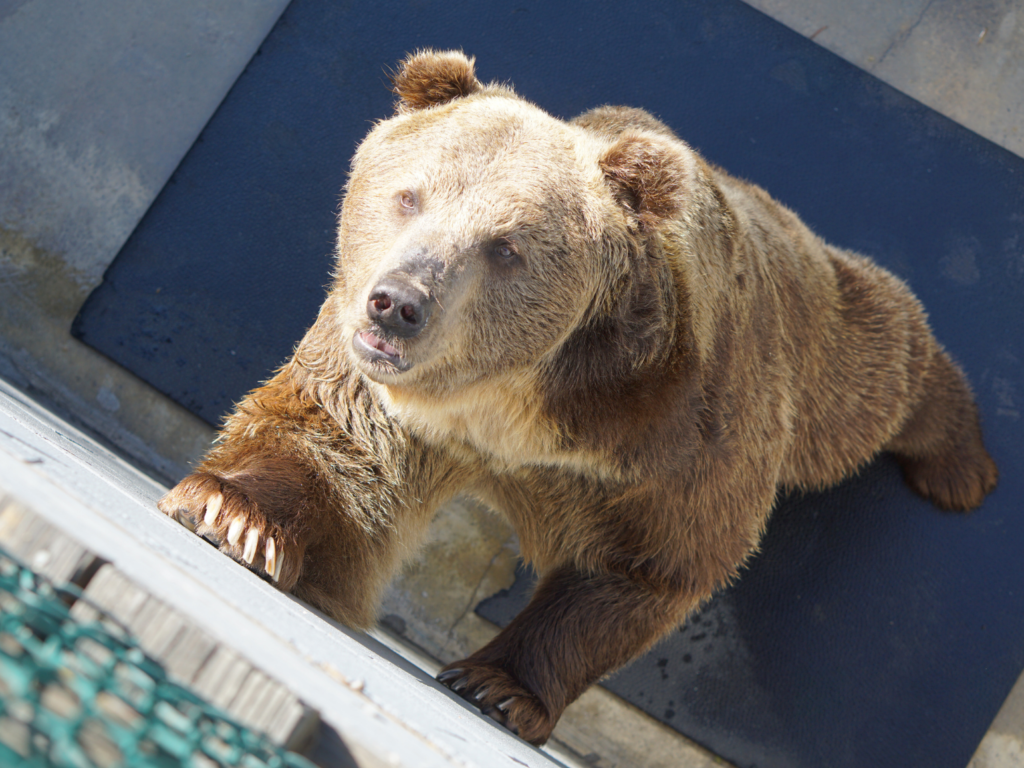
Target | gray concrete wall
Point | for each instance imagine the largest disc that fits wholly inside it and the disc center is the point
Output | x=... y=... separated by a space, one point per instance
x=99 y=101
x=962 y=58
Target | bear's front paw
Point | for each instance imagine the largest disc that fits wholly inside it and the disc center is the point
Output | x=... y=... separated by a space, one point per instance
x=222 y=513
x=500 y=697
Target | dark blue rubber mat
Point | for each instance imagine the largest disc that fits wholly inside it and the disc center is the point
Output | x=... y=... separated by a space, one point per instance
x=873 y=630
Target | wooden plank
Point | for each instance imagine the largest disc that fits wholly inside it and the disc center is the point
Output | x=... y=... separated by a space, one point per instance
x=189 y=654
x=44 y=548
x=222 y=677
x=186 y=655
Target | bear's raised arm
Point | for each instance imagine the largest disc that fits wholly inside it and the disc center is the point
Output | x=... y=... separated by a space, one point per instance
x=312 y=485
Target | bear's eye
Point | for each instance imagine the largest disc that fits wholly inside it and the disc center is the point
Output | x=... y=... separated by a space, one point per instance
x=505 y=251
x=407 y=201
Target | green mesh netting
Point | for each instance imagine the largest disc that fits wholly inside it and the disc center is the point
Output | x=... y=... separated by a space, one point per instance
x=84 y=695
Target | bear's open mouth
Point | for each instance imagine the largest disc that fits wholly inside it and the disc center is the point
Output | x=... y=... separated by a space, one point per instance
x=375 y=350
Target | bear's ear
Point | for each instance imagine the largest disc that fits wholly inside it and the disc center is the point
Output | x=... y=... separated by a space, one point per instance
x=647 y=174
x=427 y=78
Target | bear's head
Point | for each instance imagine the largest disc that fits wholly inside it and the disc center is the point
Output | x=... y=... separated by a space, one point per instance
x=497 y=263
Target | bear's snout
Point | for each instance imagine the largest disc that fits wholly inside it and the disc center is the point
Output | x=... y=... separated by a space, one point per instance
x=400 y=305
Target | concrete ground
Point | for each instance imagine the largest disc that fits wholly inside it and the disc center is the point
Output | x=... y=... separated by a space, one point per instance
x=99 y=101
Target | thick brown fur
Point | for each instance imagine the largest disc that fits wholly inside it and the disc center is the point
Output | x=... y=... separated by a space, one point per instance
x=628 y=353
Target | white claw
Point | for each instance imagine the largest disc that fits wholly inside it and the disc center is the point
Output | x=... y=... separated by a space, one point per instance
x=277 y=568
x=252 y=540
x=270 y=558
x=503 y=705
x=235 y=530
x=213 y=505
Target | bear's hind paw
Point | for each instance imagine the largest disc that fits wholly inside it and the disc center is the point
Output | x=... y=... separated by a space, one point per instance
x=955 y=482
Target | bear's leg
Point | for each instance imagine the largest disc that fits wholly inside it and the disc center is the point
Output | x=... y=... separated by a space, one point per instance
x=576 y=629
x=322 y=511
x=939 y=447
x=263 y=513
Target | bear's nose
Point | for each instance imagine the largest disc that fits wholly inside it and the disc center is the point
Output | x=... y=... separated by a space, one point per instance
x=399 y=307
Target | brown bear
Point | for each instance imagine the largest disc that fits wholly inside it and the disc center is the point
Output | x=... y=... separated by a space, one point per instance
x=620 y=347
